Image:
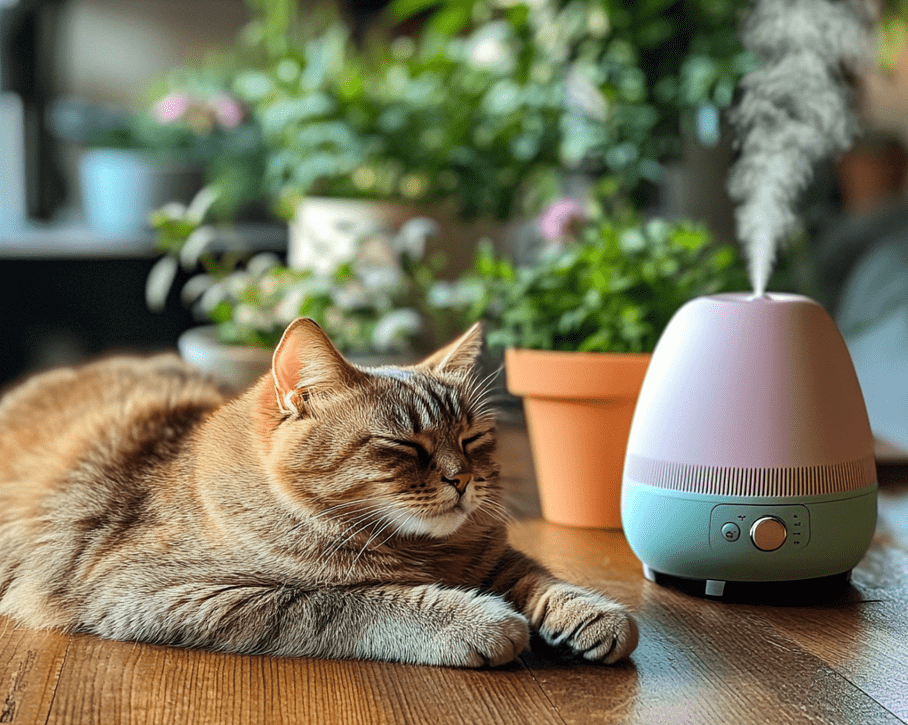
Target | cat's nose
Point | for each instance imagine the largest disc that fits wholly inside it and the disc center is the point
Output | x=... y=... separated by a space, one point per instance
x=460 y=481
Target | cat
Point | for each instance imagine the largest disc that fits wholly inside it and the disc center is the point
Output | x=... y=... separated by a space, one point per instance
x=330 y=511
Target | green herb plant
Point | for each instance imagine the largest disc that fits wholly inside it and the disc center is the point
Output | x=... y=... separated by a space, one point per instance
x=613 y=287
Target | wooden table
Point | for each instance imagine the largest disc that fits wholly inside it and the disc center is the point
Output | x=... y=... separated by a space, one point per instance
x=699 y=661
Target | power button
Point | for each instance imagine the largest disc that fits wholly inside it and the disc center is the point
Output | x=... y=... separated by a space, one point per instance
x=731 y=532
x=768 y=533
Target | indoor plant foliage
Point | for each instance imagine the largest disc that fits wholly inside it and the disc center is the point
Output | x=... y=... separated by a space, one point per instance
x=192 y=131
x=601 y=285
x=370 y=305
x=420 y=120
x=628 y=81
x=373 y=303
x=192 y=117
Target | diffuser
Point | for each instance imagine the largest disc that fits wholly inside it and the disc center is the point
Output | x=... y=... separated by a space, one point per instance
x=750 y=456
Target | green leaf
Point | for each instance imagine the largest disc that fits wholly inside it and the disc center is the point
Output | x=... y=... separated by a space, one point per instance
x=404 y=9
x=451 y=20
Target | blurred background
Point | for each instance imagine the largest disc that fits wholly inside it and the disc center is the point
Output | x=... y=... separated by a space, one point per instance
x=171 y=163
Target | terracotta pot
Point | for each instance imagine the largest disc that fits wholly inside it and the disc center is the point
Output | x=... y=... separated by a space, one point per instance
x=871 y=176
x=578 y=408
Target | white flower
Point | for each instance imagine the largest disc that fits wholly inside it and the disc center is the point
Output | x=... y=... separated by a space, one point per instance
x=583 y=97
x=351 y=296
x=201 y=203
x=262 y=263
x=236 y=282
x=253 y=317
x=173 y=210
x=446 y=295
x=488 y=47
x=287 y=310
x=195 y=287
x=381 y=279
x=196 y=243
x=211 y=298
x=393 y=329
x=414 y=235
x=158 y=283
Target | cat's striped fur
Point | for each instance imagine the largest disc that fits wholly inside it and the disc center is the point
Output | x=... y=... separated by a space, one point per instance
x=330 y=511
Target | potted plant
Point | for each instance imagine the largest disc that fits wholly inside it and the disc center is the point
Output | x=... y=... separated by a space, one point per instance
x=364 y=137
x=374 y=305
x=134 y=162
x=578 y=328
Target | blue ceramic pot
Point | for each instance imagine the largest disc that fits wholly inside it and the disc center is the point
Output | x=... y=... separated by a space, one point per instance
x=120 y=187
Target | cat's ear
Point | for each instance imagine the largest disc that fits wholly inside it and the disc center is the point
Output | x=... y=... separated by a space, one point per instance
x=457 y=356
x=306 y=363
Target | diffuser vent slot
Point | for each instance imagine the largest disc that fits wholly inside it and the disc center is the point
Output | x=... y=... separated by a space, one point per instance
x=728 y=481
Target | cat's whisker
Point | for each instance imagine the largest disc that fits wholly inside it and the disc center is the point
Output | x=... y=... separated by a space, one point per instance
x=503 y=517
x=375 y=535
x=357 y=516
x=338 y=507
x=371 y=518
x=346 y=526
x=479 y=388
x=398 y=530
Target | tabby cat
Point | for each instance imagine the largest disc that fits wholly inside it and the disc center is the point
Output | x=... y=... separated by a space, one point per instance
x=330 y=511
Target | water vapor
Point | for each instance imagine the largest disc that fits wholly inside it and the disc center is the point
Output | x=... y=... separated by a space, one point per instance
x=795 y=110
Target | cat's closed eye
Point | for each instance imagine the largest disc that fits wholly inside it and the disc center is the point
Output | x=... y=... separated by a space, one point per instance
x=481 y=437
x=413 y=448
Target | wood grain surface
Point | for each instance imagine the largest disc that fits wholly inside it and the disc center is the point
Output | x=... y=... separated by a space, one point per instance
x=699 y=661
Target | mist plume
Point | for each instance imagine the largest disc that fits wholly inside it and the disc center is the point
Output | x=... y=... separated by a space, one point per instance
x=795 y=109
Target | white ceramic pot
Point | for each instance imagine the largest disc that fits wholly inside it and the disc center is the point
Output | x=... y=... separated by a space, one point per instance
x=324 y=231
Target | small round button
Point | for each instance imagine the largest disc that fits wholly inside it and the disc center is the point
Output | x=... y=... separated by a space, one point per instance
x=731 y=532
x=768 y=533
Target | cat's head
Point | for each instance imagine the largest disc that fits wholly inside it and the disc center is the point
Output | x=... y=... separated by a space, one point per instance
x=404 y=450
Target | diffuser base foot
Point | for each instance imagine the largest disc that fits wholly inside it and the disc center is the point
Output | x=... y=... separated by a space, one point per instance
x=796 y=592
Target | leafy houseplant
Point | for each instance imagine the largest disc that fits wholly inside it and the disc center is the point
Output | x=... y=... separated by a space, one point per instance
x=627 y=81
x=373 y=306
x=611 y=288
x=579 y=326
x=411 y=120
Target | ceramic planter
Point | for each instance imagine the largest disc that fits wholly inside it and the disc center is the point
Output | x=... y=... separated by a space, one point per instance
x=239 y=366
x=578 y=408
x=325 y=231
x=121 y=187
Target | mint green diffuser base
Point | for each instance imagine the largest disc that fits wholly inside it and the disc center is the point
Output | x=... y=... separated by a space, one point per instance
x=716 y=542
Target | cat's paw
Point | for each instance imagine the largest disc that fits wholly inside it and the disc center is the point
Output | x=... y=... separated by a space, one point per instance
x=584 y=624
x=487 y=632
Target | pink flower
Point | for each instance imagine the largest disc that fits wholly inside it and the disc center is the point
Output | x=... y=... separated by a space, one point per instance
x=556 y=221
x=171 y=107
x=228 y=111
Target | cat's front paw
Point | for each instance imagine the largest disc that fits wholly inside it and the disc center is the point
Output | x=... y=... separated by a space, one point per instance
x=489 y=632
x=585 y=624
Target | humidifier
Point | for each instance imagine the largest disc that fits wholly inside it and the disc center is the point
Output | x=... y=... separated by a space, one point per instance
x=750 y=457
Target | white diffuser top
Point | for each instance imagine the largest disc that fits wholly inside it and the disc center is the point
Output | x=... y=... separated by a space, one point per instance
x=744 y=382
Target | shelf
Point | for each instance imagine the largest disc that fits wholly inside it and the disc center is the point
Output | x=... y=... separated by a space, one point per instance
x=74 y=239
